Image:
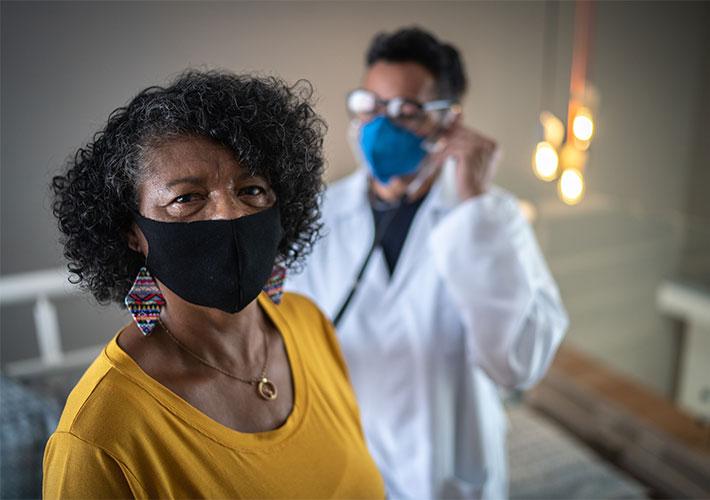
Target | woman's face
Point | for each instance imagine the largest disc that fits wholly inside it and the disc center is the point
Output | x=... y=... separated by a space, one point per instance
x=188 y=179
x=193 y=178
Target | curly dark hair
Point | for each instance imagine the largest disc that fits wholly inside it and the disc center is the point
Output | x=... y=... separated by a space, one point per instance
x=270 y=127
x=416 y=45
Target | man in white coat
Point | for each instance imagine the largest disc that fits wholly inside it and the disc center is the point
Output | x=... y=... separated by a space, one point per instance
x=433 y=277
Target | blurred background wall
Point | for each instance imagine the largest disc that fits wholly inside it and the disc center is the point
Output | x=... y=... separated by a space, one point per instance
x=67 y=65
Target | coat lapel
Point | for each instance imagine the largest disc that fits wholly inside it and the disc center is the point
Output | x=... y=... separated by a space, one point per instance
x=415 y=252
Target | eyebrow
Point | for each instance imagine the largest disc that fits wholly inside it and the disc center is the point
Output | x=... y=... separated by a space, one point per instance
x=193 y=179
x=184 y=180
x=246 y=175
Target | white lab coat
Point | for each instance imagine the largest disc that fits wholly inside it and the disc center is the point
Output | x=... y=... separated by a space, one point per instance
x=471 y=307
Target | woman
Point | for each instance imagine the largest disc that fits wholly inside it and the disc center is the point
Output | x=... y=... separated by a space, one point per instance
x=182 y=207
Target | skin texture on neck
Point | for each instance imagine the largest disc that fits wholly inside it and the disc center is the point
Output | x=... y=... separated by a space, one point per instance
x=189 y=179
x=233 y=342
x=412 y=81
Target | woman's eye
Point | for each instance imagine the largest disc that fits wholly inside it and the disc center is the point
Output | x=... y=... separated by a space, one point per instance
x=186 y=198
x=252 y=191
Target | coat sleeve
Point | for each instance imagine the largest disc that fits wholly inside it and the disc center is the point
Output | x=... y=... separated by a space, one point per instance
x=488 y=256
x=74 y=468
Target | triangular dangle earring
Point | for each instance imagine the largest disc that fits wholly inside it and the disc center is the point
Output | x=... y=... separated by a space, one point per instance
x=274 y=288
x=144 y=301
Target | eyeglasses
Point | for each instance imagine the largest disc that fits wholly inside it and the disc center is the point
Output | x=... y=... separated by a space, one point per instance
x=364 y=105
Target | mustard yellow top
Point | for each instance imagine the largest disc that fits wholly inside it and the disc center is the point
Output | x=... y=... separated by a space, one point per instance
x=123 y=434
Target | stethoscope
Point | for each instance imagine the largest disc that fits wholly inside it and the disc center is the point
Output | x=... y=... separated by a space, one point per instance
x=423 y=173
x=376 y=241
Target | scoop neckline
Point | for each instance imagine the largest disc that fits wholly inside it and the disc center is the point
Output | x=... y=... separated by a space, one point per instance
x=195 y=418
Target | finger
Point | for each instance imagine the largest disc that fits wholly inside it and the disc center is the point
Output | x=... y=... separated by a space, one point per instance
x=457 y=121
x=453 y=129
x=469 y=138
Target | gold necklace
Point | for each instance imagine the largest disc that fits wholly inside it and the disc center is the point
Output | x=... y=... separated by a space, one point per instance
x=264 y=387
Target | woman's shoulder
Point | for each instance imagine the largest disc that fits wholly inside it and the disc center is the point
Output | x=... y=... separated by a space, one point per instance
x=101 y=402
x=89 y=387
x=85 y=455
x=300 y=311
x=312 y=329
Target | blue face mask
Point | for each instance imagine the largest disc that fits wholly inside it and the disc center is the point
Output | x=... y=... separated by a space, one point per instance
x=390 y=151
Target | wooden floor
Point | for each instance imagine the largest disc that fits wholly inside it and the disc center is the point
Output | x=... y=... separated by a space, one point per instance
x=638 y=430
x=632 y=396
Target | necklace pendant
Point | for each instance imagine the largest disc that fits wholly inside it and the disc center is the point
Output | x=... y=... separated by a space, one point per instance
x=267 y=389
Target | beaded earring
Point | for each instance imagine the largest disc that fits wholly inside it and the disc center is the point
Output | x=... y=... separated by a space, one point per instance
x=144 y=301
x=274 y=287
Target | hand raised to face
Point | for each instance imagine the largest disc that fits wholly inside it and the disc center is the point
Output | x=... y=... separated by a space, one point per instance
x=476 y=158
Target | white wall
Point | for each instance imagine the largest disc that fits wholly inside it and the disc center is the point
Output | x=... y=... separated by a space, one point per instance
x=65 y=66
x=610 y=254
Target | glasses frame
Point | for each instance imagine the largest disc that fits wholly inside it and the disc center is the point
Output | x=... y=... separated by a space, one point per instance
x=391 y=108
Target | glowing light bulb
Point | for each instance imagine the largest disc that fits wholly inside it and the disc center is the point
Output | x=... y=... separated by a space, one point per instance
x=553 y=129
x=545 y=161
x=583 y=125
x=572 y=157
x=571 y=186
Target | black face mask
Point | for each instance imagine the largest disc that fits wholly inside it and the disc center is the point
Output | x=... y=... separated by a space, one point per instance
x=214 y=263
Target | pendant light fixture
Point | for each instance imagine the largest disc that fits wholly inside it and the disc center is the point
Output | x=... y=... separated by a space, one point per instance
x=562 y=154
